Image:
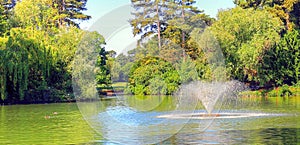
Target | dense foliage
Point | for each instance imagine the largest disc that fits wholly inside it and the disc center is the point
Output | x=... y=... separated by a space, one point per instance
x=37 y=47
x=259 y=40
x=258 y=48
x=152 y=75
x=287 y=10
x=281 y=64
x=244 y=36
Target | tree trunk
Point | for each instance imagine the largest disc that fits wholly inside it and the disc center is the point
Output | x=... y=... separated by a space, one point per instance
x=182 y=32
x=61 y=11
x=288 y=23
x=158 y=27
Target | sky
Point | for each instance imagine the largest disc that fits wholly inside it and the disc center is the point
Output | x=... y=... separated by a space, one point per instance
x=102 y=11
x=98 y=8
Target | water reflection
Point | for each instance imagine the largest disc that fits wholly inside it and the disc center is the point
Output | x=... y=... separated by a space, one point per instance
x=259 y=136
x=279 y=126
x=25 y=124
x=133 y=119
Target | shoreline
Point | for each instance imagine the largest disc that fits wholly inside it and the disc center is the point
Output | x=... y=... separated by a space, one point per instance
x=282 y=91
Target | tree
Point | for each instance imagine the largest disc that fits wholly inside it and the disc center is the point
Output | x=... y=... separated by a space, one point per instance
x=36 y=14
x=36 y=56
x=115 y=71
x=95 y=42
x=3 y=70
x=177 y=20
x=121 y=67
x=180 y=12
x=3 y=21
x=281 y=64
x=244 y=36
x=122 y=59
x=70 y=11
x=183 y=17
x=63 y=47
x=287 y=10
x=152 y=75
x=149 y=18
x=6 y=14
x=8 y=4
x=43 y=14
x=209 y=59
x=26 y=63
x=180 y=18
x=90 y=70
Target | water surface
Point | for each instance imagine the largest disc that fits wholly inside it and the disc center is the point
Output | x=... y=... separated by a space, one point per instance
x=44 y=124
x=64 y=124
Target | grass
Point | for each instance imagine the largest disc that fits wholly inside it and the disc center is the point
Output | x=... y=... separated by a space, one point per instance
x=119 y=84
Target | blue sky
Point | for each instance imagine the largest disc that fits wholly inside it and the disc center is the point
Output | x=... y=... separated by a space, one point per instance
x=97 y=8
x=115 y=27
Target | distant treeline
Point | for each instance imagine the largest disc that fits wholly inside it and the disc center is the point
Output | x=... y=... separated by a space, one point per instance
x=259 y=41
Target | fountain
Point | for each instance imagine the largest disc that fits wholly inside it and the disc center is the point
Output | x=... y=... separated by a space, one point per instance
x=218 y=100
x=211 y=95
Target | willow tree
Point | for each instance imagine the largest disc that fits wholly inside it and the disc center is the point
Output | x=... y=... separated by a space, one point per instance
x=3 y=69
x=25 y=63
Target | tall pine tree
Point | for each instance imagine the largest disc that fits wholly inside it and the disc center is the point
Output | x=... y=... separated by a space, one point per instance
x=71 y=11
x=184 y=18
x=165 y=18
x=150 y=18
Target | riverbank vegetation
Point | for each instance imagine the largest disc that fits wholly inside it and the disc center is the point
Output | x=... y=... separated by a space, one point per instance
x=281 y=91
x=259 y=41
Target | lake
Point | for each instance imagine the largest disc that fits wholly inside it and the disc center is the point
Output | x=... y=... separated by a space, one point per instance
x=64 y=123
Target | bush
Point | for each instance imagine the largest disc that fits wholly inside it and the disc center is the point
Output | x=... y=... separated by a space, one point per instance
x=285 y=91
x=152 y=75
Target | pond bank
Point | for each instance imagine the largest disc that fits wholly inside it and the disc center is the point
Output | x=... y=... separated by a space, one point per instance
x=283 y=91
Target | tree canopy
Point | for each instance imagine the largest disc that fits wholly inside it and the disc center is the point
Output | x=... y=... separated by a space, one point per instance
x=287 y=10
x=38 y=43
x=245 y=35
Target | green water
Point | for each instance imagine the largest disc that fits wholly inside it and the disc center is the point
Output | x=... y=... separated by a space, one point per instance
x=38 y=124
x=64 y=124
